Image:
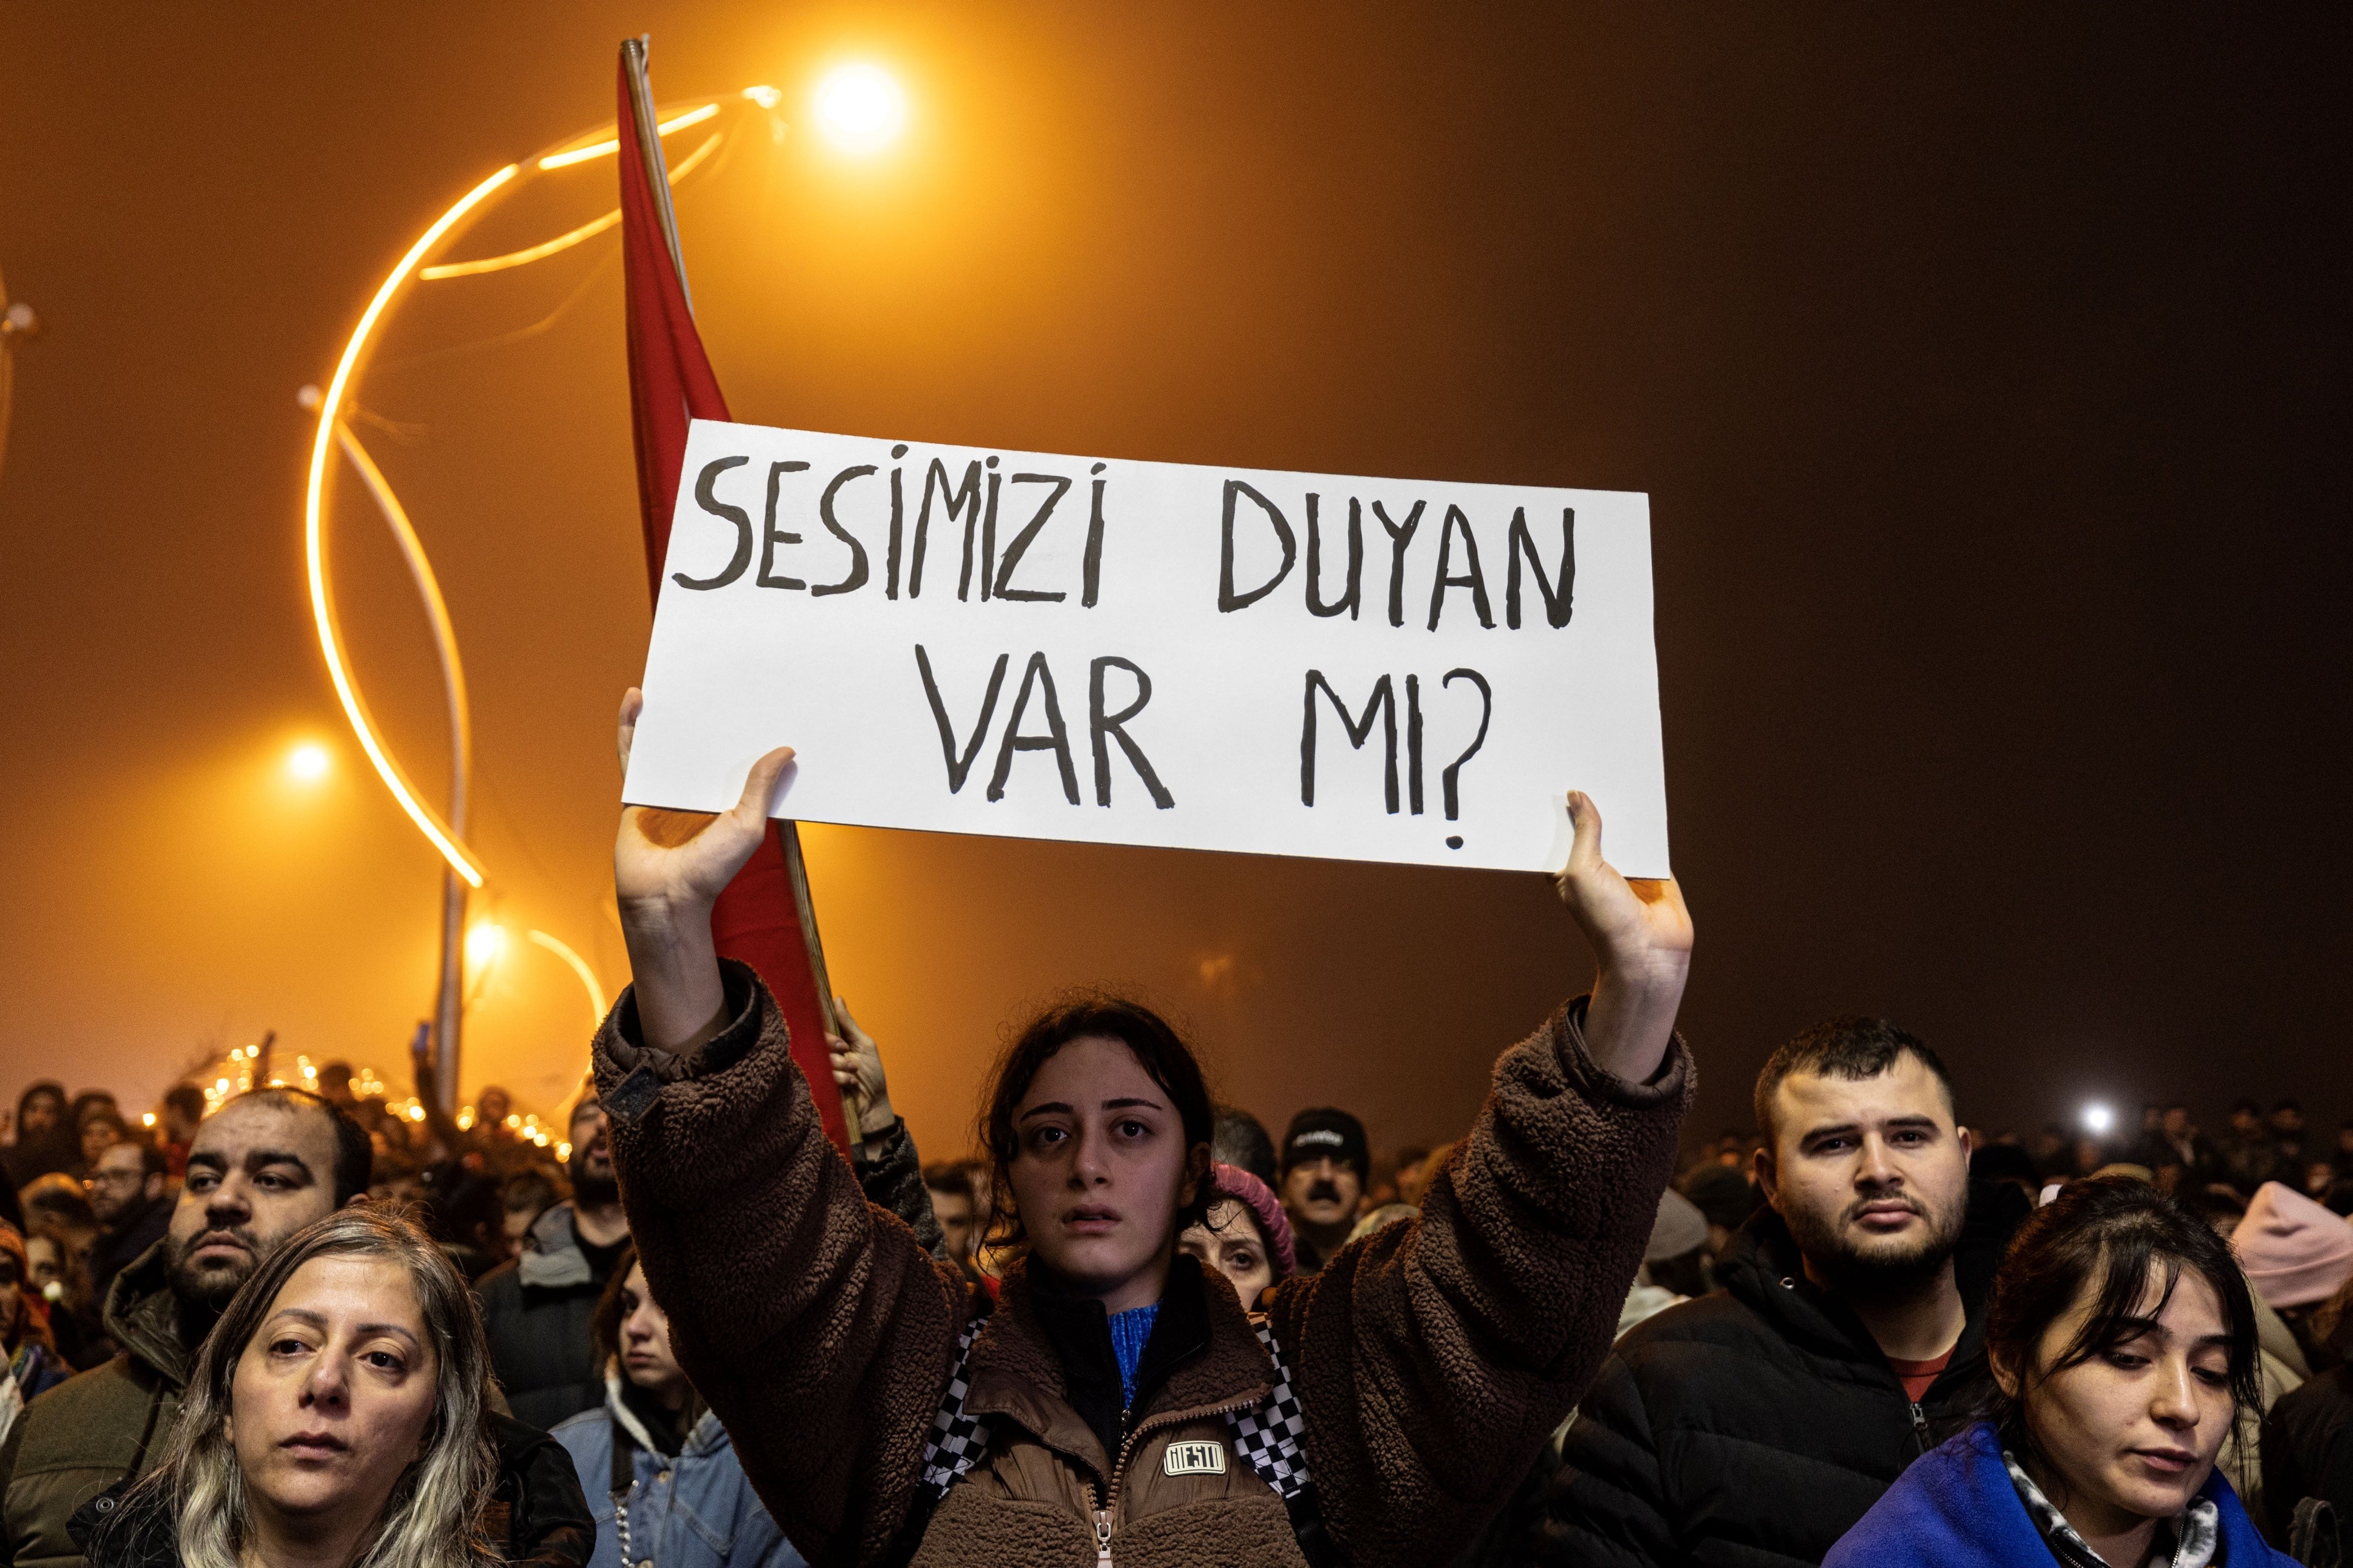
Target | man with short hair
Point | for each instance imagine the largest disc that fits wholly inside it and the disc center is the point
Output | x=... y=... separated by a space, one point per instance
x=1756 y=1425
x=263 y=1167
x=949 y=1185
x=2249 y=1157
x=539 y=1307
x=1325 y=1158
x=126 y=1194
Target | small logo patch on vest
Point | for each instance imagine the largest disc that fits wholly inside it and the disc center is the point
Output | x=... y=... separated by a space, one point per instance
x=1194 y=1459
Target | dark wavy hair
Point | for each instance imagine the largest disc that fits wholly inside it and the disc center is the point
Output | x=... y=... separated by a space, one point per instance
x=1158 y=1049
x=2101 y=1239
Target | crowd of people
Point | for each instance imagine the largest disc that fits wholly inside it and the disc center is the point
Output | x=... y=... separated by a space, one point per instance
x=290 y=1329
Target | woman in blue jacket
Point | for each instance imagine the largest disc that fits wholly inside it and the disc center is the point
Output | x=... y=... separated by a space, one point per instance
x=659 y=1470
x=2122 y=1342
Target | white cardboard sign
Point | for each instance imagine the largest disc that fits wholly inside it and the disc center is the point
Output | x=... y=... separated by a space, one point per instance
x=965 y=640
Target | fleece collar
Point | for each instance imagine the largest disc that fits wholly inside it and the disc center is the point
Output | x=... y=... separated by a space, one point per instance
x=1213 y=1360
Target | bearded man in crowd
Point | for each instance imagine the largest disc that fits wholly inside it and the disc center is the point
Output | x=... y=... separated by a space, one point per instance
x=261 y=1168
x=1756 y=1425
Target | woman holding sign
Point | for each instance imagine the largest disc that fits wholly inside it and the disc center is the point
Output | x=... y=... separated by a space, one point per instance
x=1118 y=1406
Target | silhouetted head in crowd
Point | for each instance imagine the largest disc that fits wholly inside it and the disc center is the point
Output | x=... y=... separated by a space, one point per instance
x=523 y=1198
x=2175 y=1123
x=183 y=1107
x=263 y=1167
x=1097 y=1124
x=2246 y=1117
x=950 y=1186
x=493 y=1107
x=40 y=1110
x=2122 y=1339
x=1863 y=1158
x=2287 y=1122
x=101 y=1129
x=61 y=1204
x=1243 y=1141
x=335 y=1084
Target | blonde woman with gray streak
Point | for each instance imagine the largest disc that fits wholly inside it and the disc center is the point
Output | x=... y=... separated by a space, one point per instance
x=336 y=1419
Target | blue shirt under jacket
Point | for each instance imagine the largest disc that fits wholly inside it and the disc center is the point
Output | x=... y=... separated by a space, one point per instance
x=1956 y=1508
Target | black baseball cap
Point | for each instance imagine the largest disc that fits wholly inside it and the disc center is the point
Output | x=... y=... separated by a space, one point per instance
x=1326 y=1130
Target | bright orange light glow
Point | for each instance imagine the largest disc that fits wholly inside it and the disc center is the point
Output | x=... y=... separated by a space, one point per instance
x=484 y=944
x=610 y=145
x=147 y=1119
x=859 y=108
x=541 y=251
x=314 y=537
x=578 y=966
x=309 y=761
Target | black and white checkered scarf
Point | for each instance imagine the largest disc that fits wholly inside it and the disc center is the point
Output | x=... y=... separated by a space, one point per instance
x=2186 y=1541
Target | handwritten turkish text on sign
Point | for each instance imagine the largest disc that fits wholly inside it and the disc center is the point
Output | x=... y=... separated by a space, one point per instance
x=1014 y=643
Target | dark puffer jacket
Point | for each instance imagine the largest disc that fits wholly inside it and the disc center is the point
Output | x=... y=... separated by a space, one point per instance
x=1431 y=1359
x=537 y=1308
x=1752 y=1428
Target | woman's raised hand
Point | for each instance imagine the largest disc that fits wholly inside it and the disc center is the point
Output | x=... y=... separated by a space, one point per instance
x=668 y=868
x=1641 y=938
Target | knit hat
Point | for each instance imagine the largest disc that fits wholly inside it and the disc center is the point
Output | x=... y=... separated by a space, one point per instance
x=1273 y=1225
x=2295 y=1251
x=31 y=1319
x=1679 y=1228
x=1325 y=1132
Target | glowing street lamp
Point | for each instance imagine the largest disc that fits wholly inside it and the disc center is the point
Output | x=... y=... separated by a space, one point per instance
x=2098 y=1120
x=309 y=763
x=859 y=108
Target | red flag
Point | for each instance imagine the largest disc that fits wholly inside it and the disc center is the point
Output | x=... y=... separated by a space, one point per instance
x=760 y=917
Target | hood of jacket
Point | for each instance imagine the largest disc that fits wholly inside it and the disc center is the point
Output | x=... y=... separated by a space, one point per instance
x=551 y=1257
x=1956 y=1508
x=143 y=1317
x=706 y=1437
x=1763 y=1268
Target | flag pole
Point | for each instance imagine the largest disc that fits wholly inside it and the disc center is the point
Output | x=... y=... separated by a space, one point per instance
x=671 y=384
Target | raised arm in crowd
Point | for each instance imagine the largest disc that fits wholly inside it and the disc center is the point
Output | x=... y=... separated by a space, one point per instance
x=1117 y=1405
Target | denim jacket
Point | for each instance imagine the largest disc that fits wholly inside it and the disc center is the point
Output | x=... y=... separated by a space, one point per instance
x=692 y=1511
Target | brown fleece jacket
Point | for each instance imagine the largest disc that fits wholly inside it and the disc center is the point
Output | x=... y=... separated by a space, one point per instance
x=1431 y=1359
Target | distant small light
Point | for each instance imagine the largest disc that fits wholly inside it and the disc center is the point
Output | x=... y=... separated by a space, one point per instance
x=147 y=1119
x=2098 y=1120
x=416 y=1113
x=309 y=761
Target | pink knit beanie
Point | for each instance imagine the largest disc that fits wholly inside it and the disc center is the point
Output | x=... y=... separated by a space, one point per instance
x=2295 y=1251
x=1273 y=1225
